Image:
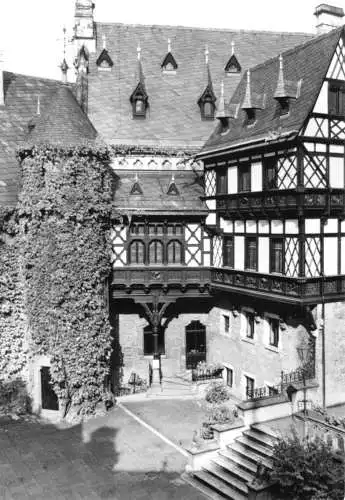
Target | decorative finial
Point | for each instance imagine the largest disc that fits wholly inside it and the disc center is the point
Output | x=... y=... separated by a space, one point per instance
x=172 y=178
x=248 y=76
x=281 y=63
x=136 y=177
x=169 y=45
x=104 y=39
x=38 y=108
x=206 y=54
x=222 y=89
x=139 y=51
x=64 y=41
x=232 y=47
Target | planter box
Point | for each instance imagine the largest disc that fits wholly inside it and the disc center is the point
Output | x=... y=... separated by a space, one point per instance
x=261 y=491
x=200 y=456
x=225 y=434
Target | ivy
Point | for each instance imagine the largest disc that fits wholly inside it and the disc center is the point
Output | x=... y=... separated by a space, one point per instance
x=124 y=149
x=64 y=215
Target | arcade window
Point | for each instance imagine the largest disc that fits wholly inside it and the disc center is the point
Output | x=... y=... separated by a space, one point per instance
x=244 y=177
x=277 y=255
x=251 y=254
x=336 y=98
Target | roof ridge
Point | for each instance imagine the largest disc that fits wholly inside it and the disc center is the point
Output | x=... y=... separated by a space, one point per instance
x=202 y=28
x=41 y=78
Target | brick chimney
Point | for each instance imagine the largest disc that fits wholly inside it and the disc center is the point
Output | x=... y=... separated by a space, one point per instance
x=84 y=28
x=328 y=18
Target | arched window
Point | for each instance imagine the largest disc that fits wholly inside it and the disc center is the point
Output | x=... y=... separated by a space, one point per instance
x=208 y=109
x=137 y=252
x=174 y=252
x=156 y=252
x=195 y=344
x=139 y=106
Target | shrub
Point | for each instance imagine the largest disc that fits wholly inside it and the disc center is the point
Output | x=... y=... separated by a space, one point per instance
x=306 y=470
x=14 y=397
x=217 y=393
x=221 y=414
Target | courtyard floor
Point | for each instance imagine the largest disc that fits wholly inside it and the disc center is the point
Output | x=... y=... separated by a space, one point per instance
x=111 y=457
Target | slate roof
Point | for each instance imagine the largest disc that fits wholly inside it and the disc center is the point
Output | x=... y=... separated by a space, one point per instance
x=63 y=122
x=154 y=198
x=309 y=62
x=173 y=117
x=20 y=107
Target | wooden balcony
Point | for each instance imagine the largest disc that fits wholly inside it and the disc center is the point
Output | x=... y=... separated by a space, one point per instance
x=177 y=280
x=288 y=202
x=282 y=289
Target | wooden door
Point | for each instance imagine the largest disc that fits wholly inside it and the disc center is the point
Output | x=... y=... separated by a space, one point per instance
x=195 y=344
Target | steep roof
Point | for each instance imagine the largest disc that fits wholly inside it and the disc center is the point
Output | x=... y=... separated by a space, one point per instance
x=63 y=122
x=307 y=63
x=173 y=117
x=21 y=96
x=155 y=187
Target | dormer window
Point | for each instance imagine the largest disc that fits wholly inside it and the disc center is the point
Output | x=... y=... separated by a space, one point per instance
x=139 y=100
x=250 y=116
x=284 y=106
x=232 y=66
x=104 y=61
x=207 y=104
x=169 y=64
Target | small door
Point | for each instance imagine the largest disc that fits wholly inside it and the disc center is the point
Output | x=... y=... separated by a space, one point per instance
x=49 y=398
x=195 y=344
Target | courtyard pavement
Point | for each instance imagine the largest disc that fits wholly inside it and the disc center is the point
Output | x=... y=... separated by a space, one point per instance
x=111 y=457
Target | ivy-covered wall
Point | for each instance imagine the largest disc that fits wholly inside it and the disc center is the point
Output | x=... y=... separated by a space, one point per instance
x=63 y=217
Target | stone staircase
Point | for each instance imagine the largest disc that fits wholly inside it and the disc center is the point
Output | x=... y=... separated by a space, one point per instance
x=227 y=475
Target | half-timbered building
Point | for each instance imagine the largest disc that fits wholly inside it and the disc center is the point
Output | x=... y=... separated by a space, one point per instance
x=274 y=180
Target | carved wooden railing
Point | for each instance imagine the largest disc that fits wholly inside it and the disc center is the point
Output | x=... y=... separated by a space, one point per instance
x=287 y=200
x=301 y=289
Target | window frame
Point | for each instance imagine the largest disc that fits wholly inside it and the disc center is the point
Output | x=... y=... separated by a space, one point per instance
x=244 y=168
x=229 y=371
x=247 y=240
x=269 y=163
x=173 y=242
x=221 y=181
x=339 y=104
x=147 y=330
x=229 y=262
x=131 y=244
x=273 y=270
x=227 y=326
x=249 y=325
x=249 y=392
x=273 y=336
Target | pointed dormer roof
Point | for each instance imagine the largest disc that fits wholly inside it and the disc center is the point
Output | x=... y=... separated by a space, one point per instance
x=63 y=122
x=251 y=99
x=208 y=92
x=169 y=63
x=222 y=111
x=285 y=89
x=233 y=66
x=82 y=60
x=172 y=188
x=140 y=89
x=104 y=61
x=136 y=188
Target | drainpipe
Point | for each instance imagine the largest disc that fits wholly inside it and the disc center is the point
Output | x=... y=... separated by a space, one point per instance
x=323 y=354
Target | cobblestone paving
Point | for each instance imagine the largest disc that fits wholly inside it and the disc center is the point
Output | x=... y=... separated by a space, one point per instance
x=111 y=457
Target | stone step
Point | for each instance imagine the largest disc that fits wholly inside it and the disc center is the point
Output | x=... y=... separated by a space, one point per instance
x=237 y=483
x=219 y=486
x=265 y=429
x=255 y=446
x=232 y=469
x=202 y=487
x=250 y=455
x=260 y=437
x=238 y=460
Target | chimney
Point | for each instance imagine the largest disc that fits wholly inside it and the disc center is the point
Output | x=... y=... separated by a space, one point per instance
x=2 y=92
x=328 y=18
x=84 y=29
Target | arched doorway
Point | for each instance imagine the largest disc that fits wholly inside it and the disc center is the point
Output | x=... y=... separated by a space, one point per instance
x=195 y=344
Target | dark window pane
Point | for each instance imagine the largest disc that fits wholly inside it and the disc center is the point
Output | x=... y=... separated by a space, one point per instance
x=229 y=377
x=226 y=323
x=274 y=331
x=228 y=252
x=249 y=387
x=244 y=180
x=270 y=173
x=277 y=255
x=208 y=109
x=251 y=254
x=250 y=325
x=336 y=99
x=149 y=341
x=222 y=187
x=332 y=100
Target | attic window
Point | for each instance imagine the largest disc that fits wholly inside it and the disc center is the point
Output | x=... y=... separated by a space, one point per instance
x=104 y=61
x=139 y=101
x=207 y=104
x=136 y=188
x=172 y=189
x=250 y=116
x=336 y=98
x=232 y=66
x=169 y=64
x=284 y=106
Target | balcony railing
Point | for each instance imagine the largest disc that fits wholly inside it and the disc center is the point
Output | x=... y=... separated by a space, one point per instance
x=293 y=290
x=284 y=201
x=145 y=277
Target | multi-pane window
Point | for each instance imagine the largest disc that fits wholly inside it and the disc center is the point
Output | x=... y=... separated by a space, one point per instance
x=137 y=252
x=273 y=324
x=156 y=252
x=249 y=324
x=251 y=253
x=228 y=251
x=336 y=98
x=244 y=177
x=277 y=255
x=174 y=252
x=229 y=377
x=270 y=173
x=222 y=182
x=249 y=387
